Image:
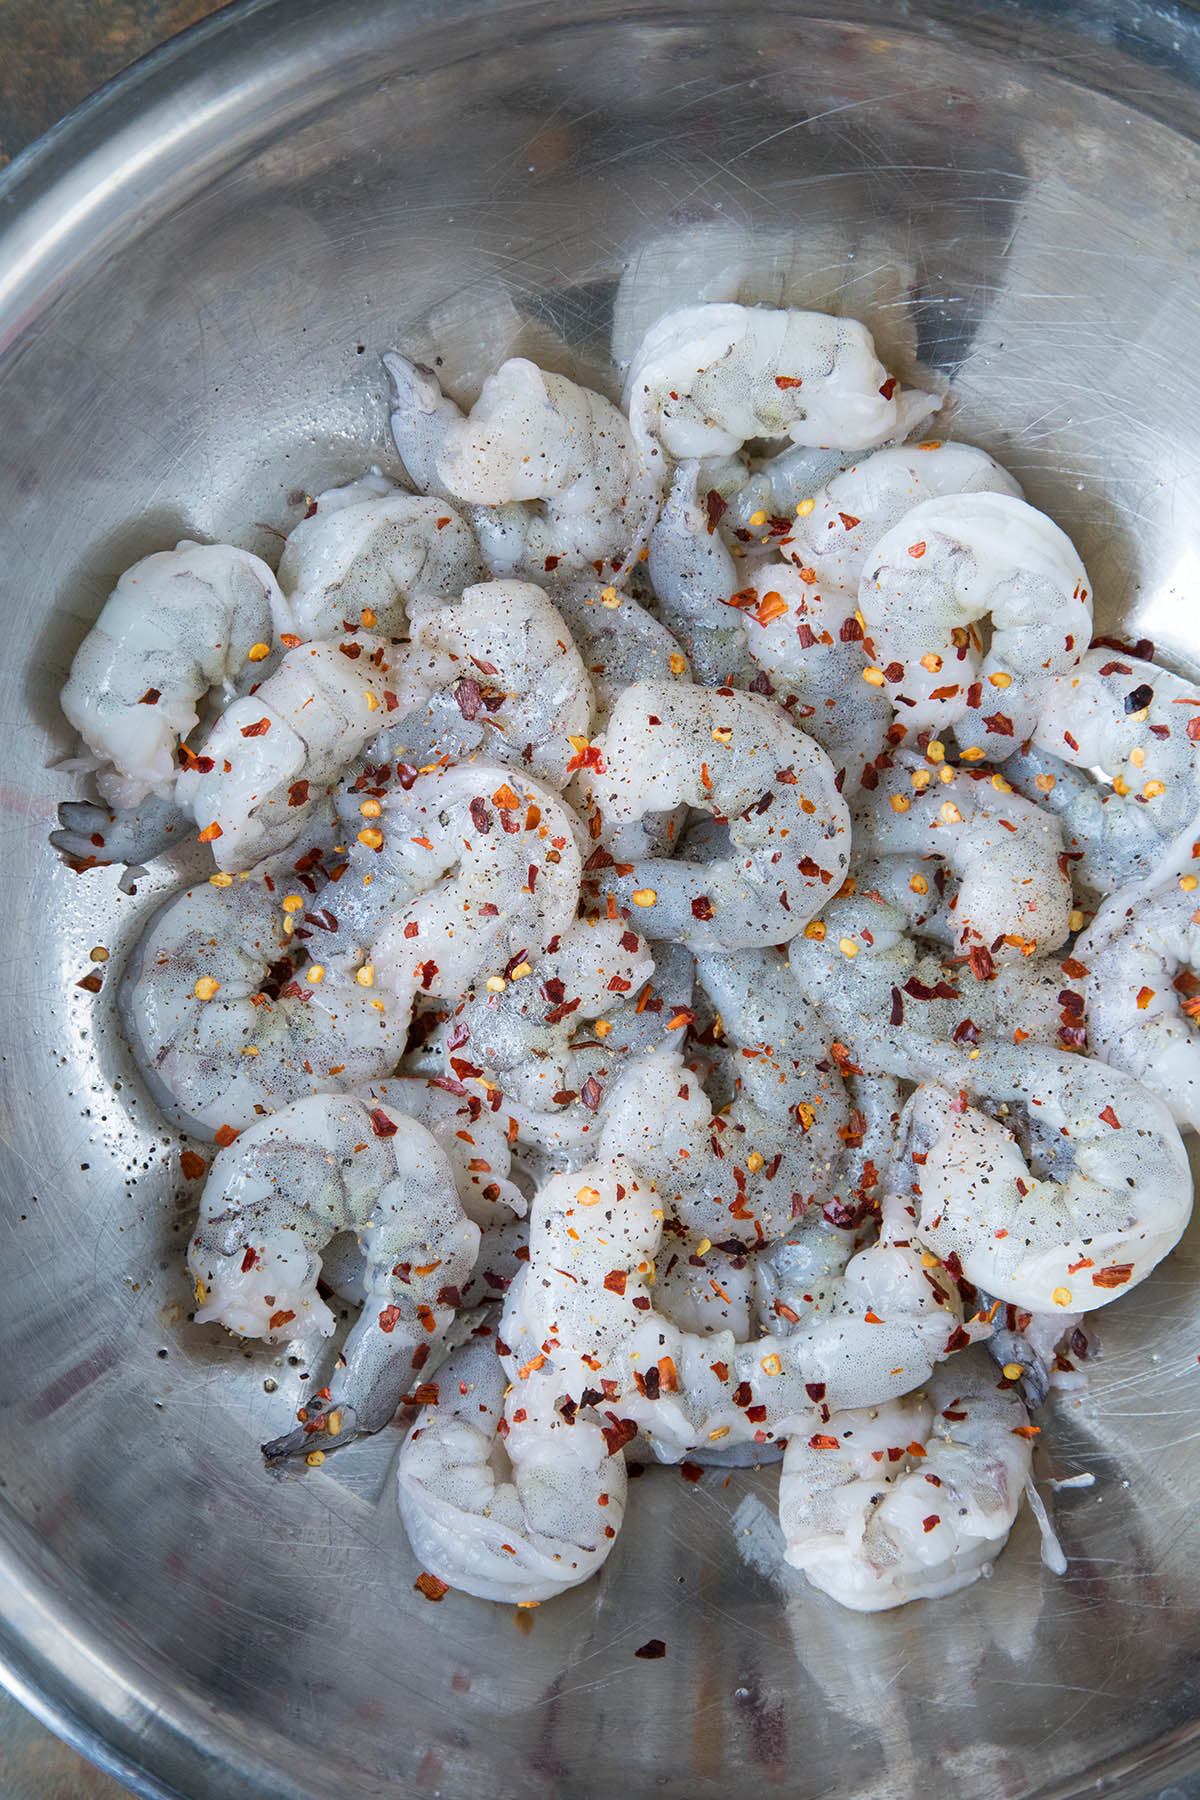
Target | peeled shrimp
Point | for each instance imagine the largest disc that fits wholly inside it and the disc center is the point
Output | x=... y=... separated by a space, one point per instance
x=224 y=1023
x=1068 y=1191
x=707 y=378
x=1014 y=888
x=946 y=565
x=371 y=547
x=848 y=516
x=739 y=759
x=473 y=1140
x=549 y=1526
x=910 y=1499
x=1137 y=723
x=530 y=437
x=504 y=677
x=177 y=624
x=276 y=1197
x=269 y=758
x=1138 y=1020
x=748 y=1171
x=619 y=642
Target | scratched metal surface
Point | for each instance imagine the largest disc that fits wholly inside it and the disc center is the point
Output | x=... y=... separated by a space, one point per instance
x=186 y=277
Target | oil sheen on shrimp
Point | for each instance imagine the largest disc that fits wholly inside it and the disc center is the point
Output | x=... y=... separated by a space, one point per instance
x=276 y=1197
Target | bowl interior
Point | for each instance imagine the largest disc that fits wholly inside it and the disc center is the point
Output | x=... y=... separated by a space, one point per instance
x=202 y=272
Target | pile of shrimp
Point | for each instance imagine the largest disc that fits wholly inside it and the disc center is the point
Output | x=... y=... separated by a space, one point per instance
x=695 y=949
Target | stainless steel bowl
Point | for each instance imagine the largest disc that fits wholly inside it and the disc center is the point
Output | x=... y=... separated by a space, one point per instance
x=197 y=275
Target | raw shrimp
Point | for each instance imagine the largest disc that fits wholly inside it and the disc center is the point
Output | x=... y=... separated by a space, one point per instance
x=451 y=875
x=1071 y=1191
x=1028 y=1348
x=808 y=640
x=224 y=1022
x=948 y=564
x=531 y=437
x=1140 y=725
x=1014 y=886
x=504 y=675
x=737 y=757
x=707 y=378
x=1138 y=1019
x=371 y=548
x=549 y=1526
x=177 y=624
x=748 y=1171
x=276 y=1197
x=585 y=1300
x=910 y=1499
x=767 y=490
x=843 y=520
x=619 y=642
x=268 y=760
x=695 y=581
x=473 y=1140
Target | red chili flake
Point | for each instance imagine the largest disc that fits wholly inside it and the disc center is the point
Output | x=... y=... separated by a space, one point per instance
x=806 y=636
x=966 y=1032
x=531 y=876
x=249 y=1260
x=298 y=793
x=1116 y=1275
x=210 y=832
x=933 y=1520
x=614 y=1281
x=1000 y=725
x=91 y=984
x=591 y=1093
x=653 y=1650
x=919 y=990
x=226 y=1135
x=1072 y=966
x=427 y=1584
x=917 y=549
x=428 y=972
x=259 y=729
x=278 y=1319
x=889 y=387
x=819 y=1441
x=716 y=508
x=551 y=563
x=618 y=1434
x=381 y=1125
x=1193 y=728
x=193 y=1166
x=469 y=697
x=894 y=672
x=849 y=520
x=945 y=693
x=151 y=697
x=980 y=959
x=702 y=907
x=789 y=381
x=958 y=1340
x=690 y=1471
x=1070 y=741
x=1110 y=1118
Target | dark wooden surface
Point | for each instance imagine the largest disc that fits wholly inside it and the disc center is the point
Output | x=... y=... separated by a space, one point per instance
x=53 y=53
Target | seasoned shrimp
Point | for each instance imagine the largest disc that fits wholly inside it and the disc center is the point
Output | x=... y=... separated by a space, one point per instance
x=808 y=640
x=1070 y=1190
x=531 y=437
x=707 y=378
x=948 y=564
x=910 y=1499
x=766 y=490
x=226 y=1022
x=746 y=1172
x=842 y=521
x=1138 y=973
x=1140 y=725
x=1014 y=886
x=549 y=1526
x=449 y=876
x=371 y=548
x=267 y=762
x=473 y=1140
x=91 y=835
x=739 y=759
x=587 y=1294
x=503 y=675
x=177 y=624
x=275 y=1198
x=695 y=580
